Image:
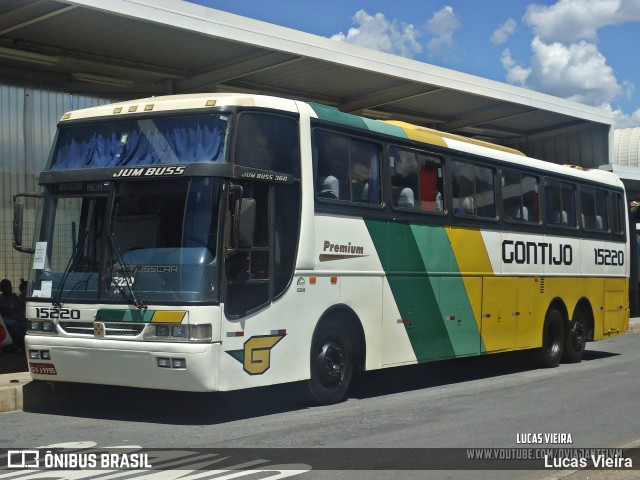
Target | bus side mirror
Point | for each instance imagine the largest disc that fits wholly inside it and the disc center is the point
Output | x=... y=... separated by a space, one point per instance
x=243 y=219
x=18 y=221
x=246 y=223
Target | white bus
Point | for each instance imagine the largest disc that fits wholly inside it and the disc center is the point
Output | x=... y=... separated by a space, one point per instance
x=213 y=242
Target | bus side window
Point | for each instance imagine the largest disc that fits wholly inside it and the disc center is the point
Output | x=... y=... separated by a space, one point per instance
x=616 y=215
x=404 y=178
x=473 y=190
x=267 y=142
x=560 y=203
x=416 y=180
x=332 y=166
x=552 y=205
x=346 y=168
x=520 y=197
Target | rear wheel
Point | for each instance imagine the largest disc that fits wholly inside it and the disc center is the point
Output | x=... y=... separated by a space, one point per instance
x=332 y=362
x=576 y=339
x=550 y=353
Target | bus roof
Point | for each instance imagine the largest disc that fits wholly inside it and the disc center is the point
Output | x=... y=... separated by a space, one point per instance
x=389 y=127
x=190 y=101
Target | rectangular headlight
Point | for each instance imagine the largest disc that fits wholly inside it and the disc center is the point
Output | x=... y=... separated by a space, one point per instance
x=200 y=333
x=168 y=332
x=179 y=331
x=42 y=326
x=163 y=330
x=48 y=326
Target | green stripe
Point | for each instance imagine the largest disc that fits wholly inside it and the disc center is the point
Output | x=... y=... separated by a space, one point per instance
x=385 y=128
x=134 y=316
x=424 y=279
x=332 y=114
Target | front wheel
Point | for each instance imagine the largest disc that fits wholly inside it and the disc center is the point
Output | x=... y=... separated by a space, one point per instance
x=550 y=353
x=332 y=363
x=576 y=339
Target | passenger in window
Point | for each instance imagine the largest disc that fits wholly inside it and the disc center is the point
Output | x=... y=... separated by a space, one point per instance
x=333 y=166
x=406 y=199
x=522 y=214
x=330 y=188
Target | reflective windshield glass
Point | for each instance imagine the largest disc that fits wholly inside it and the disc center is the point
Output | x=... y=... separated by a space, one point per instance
x=148 y=242
x=161 y=140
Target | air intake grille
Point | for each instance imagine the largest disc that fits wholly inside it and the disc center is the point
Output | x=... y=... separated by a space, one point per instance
x=111 y=329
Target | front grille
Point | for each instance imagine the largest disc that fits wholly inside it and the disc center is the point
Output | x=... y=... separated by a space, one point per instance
x=111 y=329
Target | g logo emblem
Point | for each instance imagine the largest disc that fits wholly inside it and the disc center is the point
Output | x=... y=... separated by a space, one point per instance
x=256 y=354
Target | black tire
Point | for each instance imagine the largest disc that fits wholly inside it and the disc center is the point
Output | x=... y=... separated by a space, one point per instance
x=575 y=339
x=332 y=363
x=550 y=353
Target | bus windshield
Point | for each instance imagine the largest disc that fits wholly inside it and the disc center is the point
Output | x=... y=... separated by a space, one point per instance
x=158 y=242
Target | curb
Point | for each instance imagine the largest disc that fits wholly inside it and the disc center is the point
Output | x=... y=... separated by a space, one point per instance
x=11 y=391
x=18 y=390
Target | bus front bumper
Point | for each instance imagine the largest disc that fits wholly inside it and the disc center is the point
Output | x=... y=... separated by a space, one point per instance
x=189 y=367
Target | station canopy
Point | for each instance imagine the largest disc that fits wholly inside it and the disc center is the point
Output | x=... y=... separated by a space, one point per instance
x=137 y=48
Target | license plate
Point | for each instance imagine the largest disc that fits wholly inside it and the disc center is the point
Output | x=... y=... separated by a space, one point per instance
x=43 y=368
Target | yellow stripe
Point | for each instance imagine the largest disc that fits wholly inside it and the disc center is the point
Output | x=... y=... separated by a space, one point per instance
x=419 y=134
x=436 y=137
x=473 y=261
x=168 y=316
x=470 y=251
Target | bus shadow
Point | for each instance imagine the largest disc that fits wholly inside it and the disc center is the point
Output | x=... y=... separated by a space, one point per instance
x=187 y=408
x=447 y=372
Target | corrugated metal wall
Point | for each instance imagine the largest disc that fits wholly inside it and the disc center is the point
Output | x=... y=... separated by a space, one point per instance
x=28 y=119
x=589 y=148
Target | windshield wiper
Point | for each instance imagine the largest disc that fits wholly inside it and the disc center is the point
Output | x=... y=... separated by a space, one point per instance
x=128 y=278
x=73 y=263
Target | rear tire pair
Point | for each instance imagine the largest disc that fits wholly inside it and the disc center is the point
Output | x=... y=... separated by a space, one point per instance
x=560 y=343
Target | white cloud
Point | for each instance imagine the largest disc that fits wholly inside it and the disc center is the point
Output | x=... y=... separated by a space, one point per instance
x=577 y=72
x=377 y=32
x=624 y=120
x=565 y=58
x=572 y=20
x=442 y=26
x=516 y=74
x=400 y=38
x=502 y=34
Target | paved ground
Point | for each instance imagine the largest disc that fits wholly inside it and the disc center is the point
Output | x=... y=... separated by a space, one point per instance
x=16 y=392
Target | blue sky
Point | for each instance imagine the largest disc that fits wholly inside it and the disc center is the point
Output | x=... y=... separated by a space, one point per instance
x=583 y=50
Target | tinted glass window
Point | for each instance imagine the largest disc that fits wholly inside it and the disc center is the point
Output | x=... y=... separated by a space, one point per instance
x=473 y=190
x=268 y=142
x=416 y=180
x=593 y=205
x=520 y=197
x=347 y=168
x=560 y=203
x=616 y=215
